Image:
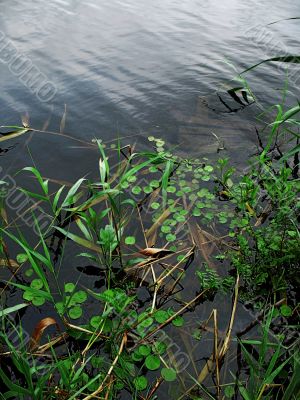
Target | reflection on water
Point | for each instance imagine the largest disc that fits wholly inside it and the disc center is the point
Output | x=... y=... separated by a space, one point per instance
x=139 y=67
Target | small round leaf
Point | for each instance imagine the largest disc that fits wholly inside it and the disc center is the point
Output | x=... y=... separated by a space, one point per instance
x=140 y=382
x=75 y=312
x=178 y=321
x=161 y=316
x=152 y=362
x=69 y=287
x=169 y=374
x=144 y=350
x=130 y=240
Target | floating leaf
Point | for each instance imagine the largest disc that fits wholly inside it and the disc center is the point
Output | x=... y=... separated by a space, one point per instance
x=129 y=240
x=60 y=308
x=171 y=189
x=161 y=316
x=155 y=183
x=78 y=297
x=152 y=362
x=146 y=322
x=159 y=347
x=38 y=301
x=140 y=383
x=155 y=205
x=208 y=168
x=285 y=310
x=36 y=284
x=69 y=287
x=170 y=237
x=136 y=356
x=166 y=229
x=132 y=178
x=229 y=392
x=148 y=189
x=22 y=258
x=97 y=361
x=178 y=321
x=28 y=296
x=136 y=190
x=196 y=212
x=29 y=272
x=75 y=312
x=96 y=321
x=144 y=350
x=169 y=374
x=180 y=218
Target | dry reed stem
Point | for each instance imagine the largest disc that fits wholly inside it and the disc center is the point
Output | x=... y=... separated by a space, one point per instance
x=99 y=390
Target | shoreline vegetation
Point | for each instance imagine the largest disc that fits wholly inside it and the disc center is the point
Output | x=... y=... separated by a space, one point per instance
x=162 y=237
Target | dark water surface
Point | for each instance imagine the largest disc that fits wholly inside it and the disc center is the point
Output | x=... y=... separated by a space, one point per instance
x=137 y=68
x=140 y=68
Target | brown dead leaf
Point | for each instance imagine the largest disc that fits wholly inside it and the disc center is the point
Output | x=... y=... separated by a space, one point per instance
x=39 y=330
x=8 y=263
x=155 y=252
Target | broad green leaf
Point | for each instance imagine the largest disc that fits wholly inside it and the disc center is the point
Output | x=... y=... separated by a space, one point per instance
x=79 y=240
x=10 y=310
x=69 y=199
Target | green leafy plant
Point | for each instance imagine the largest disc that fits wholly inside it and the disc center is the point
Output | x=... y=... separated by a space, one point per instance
x=266 y=367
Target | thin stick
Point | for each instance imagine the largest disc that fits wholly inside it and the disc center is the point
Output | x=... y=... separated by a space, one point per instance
x=151 y=265
x=154 y=389
x=99 y=390
x=109 y=385
x=222 y=348
x=216 y=351
x=229 y=330
x=161 y=278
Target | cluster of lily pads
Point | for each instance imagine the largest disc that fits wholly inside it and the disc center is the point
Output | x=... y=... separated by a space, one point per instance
x=190 y=193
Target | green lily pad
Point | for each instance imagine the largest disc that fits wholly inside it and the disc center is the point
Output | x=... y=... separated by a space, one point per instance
x=75 y=312
x=78 y=297
x=161 y=316
x=129 y=240
x=152 y=362
x=140 y=383
x=144 y=350
x=178 y=321
x=69 y=287
x=38 y=301
x=169 y=374
x=27 y=295
x=37 y=284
